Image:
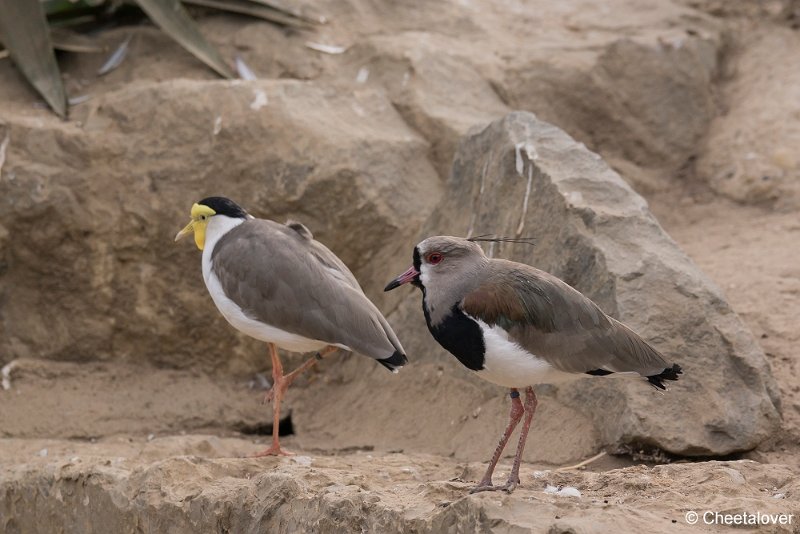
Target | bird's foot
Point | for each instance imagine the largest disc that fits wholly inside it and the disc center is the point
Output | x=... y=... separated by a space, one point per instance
x=274 y=450
x=483 y=485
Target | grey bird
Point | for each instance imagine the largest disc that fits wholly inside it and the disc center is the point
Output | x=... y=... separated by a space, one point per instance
x=275 y=283
x=517 y=326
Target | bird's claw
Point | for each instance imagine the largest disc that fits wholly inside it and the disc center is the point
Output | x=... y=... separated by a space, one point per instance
x=272 y=451
x=508 y=487
x=478 y=489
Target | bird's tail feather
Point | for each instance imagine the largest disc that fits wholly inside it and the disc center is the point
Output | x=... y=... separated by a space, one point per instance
x=395 y=361
x=670 y=373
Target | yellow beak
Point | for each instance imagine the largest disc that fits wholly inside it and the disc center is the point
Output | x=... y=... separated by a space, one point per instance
x=188 y=229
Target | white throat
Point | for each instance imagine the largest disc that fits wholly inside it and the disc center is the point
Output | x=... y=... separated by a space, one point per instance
x=424 y=274
x=218 y=226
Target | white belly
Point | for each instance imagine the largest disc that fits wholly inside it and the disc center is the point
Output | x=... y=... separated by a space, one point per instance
x=256 y=329
x=507 y=364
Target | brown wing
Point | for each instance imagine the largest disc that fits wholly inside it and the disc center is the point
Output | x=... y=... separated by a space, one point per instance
x=281 y=277
x=557 y=323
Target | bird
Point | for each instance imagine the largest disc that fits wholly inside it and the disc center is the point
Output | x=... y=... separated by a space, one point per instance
x=517 y=326
x=277 y=284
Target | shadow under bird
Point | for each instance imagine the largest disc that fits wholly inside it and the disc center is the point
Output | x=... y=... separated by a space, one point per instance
x=275 y=283
x=517 y=326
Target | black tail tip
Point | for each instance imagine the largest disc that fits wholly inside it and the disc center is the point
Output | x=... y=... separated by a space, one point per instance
x=395 y=361
x=670 y=373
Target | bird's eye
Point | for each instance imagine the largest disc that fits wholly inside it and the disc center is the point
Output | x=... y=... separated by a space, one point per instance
x=203 y=217
x=434 y=258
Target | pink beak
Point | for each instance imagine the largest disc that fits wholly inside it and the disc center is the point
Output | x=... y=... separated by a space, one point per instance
x=409 y=276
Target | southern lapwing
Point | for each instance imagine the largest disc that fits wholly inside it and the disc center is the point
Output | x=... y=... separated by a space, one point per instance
x=275 y=283
x=517 y=326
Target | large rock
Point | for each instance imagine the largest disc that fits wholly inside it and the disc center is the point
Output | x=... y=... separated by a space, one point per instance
x=88 y=209
x=438 y=93
x=644 y=102
x=751 y=153
x=522 y=176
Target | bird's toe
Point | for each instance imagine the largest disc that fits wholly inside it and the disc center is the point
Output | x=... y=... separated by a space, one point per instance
x=273 y=451
x=484 y=487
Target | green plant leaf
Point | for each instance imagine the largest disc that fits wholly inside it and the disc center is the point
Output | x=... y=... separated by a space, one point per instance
x=251 y=9
x=173 y=19
x=25 y=34
x=288 y=8
x=70 y=7
x=70 y=41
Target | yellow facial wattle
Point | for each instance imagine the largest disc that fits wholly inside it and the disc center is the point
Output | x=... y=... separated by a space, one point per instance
x=200 y=216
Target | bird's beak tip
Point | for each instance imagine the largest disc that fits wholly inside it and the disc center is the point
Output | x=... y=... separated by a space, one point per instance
x=409 y=276
x=186 y=231
x=391 y=285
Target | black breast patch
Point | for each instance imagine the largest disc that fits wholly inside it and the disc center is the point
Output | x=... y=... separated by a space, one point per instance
x=461 y=336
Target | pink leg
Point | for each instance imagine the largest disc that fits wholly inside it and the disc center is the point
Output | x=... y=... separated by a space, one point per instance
x=280 y=383
x=530 y=408
x=277 y=383
x=516 y=414
x=286 y=380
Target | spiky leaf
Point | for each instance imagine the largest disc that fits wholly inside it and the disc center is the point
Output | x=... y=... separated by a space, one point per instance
x=173 y=19
x=24 y=31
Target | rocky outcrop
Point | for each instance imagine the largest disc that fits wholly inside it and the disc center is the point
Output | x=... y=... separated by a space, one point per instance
x=521 y=176
x=359 y=146
x=89 y=210
x=643 y=104
x=751 y=151
x=357 y=150
x=361 y=492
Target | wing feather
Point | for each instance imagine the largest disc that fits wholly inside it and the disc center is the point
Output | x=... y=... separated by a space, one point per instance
x=550 y=319
x=282 y=277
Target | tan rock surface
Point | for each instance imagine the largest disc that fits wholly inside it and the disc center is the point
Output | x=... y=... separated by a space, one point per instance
x=521 y=176
x=91 y=210
x=359 y=146
x=751 y=149
x=202 y=487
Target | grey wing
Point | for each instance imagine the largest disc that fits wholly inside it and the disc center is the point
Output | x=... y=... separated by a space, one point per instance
x=324 y=255
x=550 y=319
x=288 y=281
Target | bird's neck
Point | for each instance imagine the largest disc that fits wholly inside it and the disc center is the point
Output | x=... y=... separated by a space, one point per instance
x=218 y=226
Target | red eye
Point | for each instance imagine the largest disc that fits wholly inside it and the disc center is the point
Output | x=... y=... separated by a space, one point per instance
x=434 y=258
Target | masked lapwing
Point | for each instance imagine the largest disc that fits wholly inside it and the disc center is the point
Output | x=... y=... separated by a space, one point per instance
x=276 y=283
x=517 y=326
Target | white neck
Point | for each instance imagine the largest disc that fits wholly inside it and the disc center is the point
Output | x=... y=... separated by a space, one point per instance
x=218 y=226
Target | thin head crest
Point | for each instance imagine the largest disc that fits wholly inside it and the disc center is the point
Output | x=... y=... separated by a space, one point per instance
x=500 y=239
